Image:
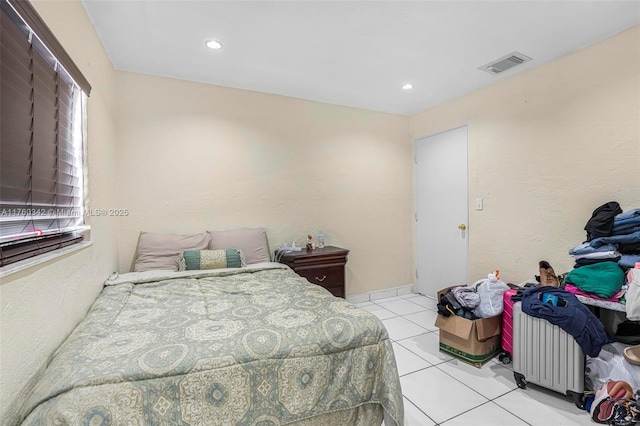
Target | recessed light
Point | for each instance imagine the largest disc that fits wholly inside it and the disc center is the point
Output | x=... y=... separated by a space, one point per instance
x=213 y=44
x=407 y=86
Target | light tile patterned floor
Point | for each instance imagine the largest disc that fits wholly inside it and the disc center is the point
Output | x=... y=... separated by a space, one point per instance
x=440 y=390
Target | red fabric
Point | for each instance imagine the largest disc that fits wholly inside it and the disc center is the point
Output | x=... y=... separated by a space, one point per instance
x=575 y=290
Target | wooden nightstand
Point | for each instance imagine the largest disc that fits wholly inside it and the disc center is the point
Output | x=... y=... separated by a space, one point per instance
x=322 y=266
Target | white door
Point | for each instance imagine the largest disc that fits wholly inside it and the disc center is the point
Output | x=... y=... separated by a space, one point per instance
x=442 y=245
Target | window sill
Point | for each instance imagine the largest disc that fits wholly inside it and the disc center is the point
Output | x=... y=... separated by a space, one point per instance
x=43 y=258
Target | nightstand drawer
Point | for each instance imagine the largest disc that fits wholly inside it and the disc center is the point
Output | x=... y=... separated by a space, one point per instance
x=326 y=277
x=322 y=266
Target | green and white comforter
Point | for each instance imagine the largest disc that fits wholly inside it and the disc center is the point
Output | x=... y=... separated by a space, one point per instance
x=253 y=346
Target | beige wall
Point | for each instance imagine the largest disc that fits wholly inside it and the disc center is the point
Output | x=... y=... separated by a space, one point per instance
x=194 y=157
x=41 y=305
x=546 y=148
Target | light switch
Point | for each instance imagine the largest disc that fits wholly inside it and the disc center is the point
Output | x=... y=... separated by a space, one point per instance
x=478 y=203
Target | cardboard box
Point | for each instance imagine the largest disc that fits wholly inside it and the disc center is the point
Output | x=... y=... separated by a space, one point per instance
x=474 y=342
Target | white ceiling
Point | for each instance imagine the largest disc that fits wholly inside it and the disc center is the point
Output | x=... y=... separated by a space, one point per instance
x=355 y=53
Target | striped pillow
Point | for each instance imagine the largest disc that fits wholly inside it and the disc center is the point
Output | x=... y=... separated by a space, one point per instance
x=210 y=259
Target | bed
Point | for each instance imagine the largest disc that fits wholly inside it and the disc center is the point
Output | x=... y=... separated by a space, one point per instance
x=255 y=345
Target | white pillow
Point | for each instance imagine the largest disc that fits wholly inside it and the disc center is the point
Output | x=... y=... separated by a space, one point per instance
x=252 y=241
x=161 y=251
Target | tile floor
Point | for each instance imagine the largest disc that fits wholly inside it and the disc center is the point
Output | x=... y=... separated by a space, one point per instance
x=440 y=390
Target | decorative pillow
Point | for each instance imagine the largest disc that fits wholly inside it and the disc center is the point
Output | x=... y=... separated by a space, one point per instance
x=252 y=241
x=161 y=251
x=210 y=259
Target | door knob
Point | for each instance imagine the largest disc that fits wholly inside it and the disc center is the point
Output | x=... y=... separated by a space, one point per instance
x=462 y=226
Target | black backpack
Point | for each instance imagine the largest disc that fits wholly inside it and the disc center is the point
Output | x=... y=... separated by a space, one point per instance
x=601 y=222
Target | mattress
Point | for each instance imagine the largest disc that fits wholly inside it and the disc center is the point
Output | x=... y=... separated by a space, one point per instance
x=249 y=346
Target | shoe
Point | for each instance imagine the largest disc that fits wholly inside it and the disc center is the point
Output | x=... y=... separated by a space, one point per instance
x=632 y=354
x=547 y=276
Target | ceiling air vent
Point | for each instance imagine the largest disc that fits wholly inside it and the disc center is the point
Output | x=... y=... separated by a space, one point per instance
x=504 y=63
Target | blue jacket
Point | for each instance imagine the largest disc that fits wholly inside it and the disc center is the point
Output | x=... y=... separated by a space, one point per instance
x=574 y=318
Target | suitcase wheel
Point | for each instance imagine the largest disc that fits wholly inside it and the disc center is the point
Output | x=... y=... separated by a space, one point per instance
x=578 y=398
x=520 y=381
x=504 y=357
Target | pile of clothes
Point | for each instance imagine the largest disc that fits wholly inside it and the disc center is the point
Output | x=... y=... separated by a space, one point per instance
x=481 y=299
x=625 y=235
x=611 y=248
x=607 y=264
x=460 y=301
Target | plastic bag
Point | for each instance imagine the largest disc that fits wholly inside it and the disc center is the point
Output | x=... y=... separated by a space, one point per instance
x=490 y=291
x=610 y=364
x=633 y=295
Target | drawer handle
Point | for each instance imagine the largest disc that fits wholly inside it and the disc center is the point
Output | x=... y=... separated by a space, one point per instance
x=324 y=277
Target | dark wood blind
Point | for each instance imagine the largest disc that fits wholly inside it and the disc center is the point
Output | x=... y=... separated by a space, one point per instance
x=31 y=19
x=41 y=187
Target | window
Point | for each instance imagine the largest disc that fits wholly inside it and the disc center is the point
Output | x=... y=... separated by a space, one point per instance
x=41 y=138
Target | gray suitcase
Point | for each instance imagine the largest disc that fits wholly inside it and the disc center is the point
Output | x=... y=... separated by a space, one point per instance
x=546 y=355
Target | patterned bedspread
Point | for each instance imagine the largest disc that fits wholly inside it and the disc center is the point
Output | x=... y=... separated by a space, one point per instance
x=257 y=346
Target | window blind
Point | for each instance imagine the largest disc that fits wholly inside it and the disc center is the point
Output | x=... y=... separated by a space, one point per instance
x=41 y=141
